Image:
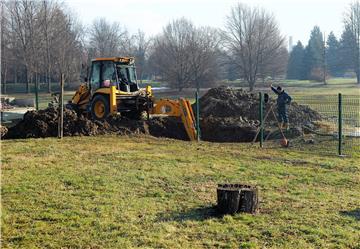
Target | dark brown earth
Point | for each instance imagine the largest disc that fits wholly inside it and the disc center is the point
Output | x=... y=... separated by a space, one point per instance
x=238 y=103
x=227 y=115
x=231 y=115
x=44 y=123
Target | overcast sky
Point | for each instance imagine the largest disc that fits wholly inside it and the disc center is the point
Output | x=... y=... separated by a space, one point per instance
x=295 y=17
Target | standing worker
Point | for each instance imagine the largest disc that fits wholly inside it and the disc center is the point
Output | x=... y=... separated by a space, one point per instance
x=282 y=101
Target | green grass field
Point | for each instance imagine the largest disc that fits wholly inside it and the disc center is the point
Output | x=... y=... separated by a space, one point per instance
x=142 y=192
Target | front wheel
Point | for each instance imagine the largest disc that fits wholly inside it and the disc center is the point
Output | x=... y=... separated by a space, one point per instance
x=100 y=107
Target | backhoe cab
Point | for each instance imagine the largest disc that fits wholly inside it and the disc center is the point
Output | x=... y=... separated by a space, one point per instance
x=112 y=88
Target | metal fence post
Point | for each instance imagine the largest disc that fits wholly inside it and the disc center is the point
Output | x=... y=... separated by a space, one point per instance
x=61 y=108
x=340 y=124
x=36 y=92
x=197 y=114
x=261 y=109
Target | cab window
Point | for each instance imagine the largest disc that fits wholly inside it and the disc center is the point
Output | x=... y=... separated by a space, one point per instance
x=109 y=71
x=95 y=75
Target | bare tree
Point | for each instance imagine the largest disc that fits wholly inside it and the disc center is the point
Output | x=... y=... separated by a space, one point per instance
x=25 y=25
x=67 y=47
x=204 y=59
x=140 y=52
x=172 y=53
x=277 y=67
x=5 y=46
x=184 y=54
x=48 y=28
x=352 y=23
x=106 y=39
x=252 y=39
x=43 y=40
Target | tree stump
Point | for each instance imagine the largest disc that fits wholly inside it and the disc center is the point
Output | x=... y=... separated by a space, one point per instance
x=235 y=198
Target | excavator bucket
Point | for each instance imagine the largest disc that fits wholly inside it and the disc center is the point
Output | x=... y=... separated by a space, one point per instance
x=188 y=119
x=81 y=97
x=178 y=108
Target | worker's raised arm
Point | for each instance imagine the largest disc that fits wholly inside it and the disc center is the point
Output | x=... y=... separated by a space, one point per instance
x=274 y=90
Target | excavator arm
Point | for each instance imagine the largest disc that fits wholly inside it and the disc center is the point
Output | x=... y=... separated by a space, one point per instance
x=177 y=108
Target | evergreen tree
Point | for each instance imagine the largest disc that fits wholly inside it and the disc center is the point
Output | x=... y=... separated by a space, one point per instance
x=313 y=58
x=332 y=55
x=347 y=51
x=295 y=68
x=352 y=42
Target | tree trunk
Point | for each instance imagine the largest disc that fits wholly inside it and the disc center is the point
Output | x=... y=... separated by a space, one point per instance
x=251 y=85
x=234 y=198
x=140 y=74
x=28 y=79
x=15 y=74
x=48 y=81
x=228 y=200
x=248 y=200
x=4 y=80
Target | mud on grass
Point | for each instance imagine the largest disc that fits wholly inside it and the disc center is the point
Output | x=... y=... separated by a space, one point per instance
x=141 y=192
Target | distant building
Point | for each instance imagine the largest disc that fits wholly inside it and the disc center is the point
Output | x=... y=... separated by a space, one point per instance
x=290 y=43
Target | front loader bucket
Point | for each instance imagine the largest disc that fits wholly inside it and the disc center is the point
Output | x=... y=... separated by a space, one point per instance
x=188 y=118
x=178 y=108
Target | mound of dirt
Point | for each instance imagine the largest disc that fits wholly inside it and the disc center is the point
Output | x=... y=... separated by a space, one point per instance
x=44 y=123
x=231 y=115
x=229 y=102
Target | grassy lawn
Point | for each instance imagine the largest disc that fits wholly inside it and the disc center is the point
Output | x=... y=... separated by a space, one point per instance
x=44 y=98
x=141 y=192
x=333 y=86
x=306 y=87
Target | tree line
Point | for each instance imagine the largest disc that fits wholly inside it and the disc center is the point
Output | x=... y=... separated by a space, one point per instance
x=41 y=40
x=328 y=57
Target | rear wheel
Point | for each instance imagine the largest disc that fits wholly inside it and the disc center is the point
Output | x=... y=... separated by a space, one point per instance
x=100 y=107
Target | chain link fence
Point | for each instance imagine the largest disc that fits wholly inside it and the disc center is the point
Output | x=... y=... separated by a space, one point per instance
x=338 y=129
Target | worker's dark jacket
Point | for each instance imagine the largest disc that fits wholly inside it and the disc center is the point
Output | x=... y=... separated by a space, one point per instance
x=283 y=98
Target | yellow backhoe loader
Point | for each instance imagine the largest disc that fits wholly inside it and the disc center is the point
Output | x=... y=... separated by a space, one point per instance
x=112 y=88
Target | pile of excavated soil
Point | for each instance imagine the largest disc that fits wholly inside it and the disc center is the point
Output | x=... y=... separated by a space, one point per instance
x=230 y=102
x=44 y=123
x=231 y=115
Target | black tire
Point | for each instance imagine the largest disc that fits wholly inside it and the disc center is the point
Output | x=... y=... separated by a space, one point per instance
x=100 y=109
